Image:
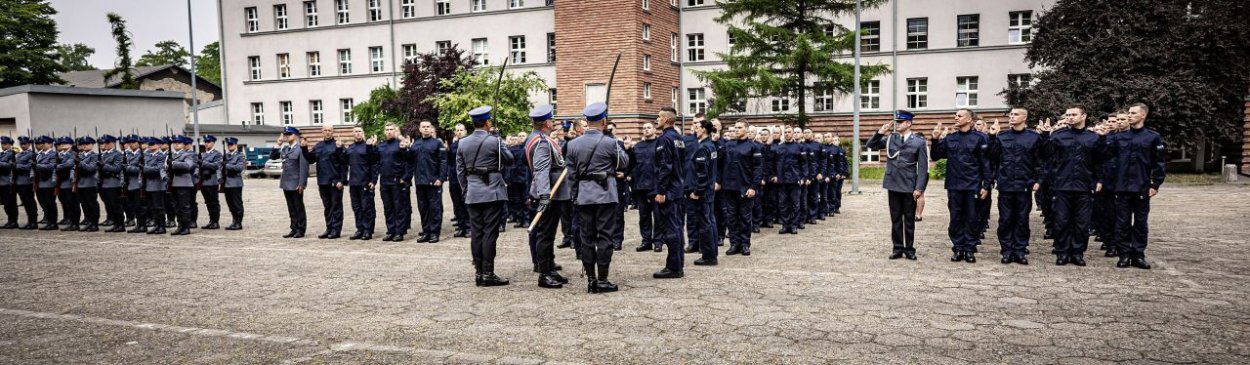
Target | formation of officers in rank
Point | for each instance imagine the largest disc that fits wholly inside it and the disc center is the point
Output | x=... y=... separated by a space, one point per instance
x=146 y=183
x=1088 y=180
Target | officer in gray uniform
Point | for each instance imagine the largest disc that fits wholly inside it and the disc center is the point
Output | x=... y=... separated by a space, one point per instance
x=85 y=185
x=8 y=191
x=45 y=182
x=182 y=174
x=23 y=179
x=66 y=174
x=111 y=161
x=546 y=163
x=155 y=176
x=232 y=171
x=479 y=166
x=906 y=176
x=210 y=183
x=594 y=159
x=136 y=197
x=294 y=177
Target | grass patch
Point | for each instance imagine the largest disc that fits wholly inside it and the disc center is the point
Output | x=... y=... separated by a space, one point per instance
x=1193 y=179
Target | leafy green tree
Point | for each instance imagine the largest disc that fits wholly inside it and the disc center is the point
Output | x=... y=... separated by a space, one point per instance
x=473 y=88
x=27 y=44
x=785 y=48
x=167 y=53
x=124 y=67
x=208 y=63
x=74 y=56
x=372 y=115
x=421 y=84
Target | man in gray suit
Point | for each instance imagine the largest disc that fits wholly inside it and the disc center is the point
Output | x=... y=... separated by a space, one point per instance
x=182 y=170
x=232 y=172
x=210 y=184
x=906 y=175
x=87 y=182
x=294 y=176
x=546 y=162
x=594 y=159
x=111 y=163
x=155 y=175
x=479 y=164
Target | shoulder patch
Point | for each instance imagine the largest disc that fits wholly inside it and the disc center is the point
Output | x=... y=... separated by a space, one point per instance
x=714 y=153
x=1159 y=147
x=679 y=143
x=757 y=154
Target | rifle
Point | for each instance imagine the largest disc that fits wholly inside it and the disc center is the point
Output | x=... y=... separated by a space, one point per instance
x=199 y=180
x=56 y=160
x=34 y=183
x=221 y=170
x=73 y=186
x=499 y=82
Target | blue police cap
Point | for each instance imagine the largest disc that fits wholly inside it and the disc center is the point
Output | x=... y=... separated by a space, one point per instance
x=151 y=140
x=64 y=140
x=541 y=113
x=595 y=112
x=209 y=138
x=480 y=114
x=903 y=115
x=107 y=139
x=23 y=140
x=230 y=141
x=6 y=140
x=291 y=130
x=165 y=140
x=86 y=140
x=43 y=140
x=135 y=138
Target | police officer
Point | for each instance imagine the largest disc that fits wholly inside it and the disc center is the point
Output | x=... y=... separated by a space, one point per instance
x=155 y=176
x=1076 y=157
x=46 y=182
x=66 y=161
x=362 y=177
x=460 y=213
x=8 y=192
x=86 y=183
x=233 y=165
x=622 y=192
x=815 y=175
x=743 y=163
x=1017 y=155
x=1138 y=173
x=517 y=176
x=294 y=177
x=594 y=159
x=967 y=177
x=136 y=196
x=772 y=138
x=428 y=174
x=791 y=169
x=327 y=155
x=479 y=166
x=546 y=163
x=906 y=177
x=700 y=190
x=838 y=154
x=23 y=178
x=210 y=181
x=669 y=192
x=111 y=180
x=394 y=177
x=642 y=181
x=182 y=172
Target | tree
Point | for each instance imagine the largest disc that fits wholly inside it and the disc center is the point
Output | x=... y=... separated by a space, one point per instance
x=421 y=84
x=373 y=114
x=73 y=57
x=1185 y=59
x=123 y=66
x=167 y=53
x=473 y=88
x=784 y=48
x=208 y=63
x=27 y=44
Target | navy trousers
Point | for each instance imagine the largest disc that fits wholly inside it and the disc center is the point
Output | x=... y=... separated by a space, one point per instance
x=1072 y=211
x=964 y=222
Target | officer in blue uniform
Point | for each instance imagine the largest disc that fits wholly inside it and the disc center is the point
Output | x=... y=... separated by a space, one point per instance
x=460 y=213
x=701 y=194
x=45 y=182
x=235 y=161
x=669 y=192
x=968 y=176
x=294 y=177
x=110 y=173
x=428 y=174
x=479 y=165
x=87 y=170
x=155 y=177
x=1017 y=155
x=743 y=163
x=790 y=171
x=594 y=159
x=815 y=175
x=838 y=154
x=517 y=176
x=362 y=177
x=771 y=214
x=327 y=155
x=210 y=181
x=545 y=161
x=8 y=192
x=642 y=181
x=1076 y=165
x=1138 y=156
x=622 y=192
x=906 y=177
x=182 y=168
x=136 y=199
x=394 y=177
x=66 y=161
x=23 y=179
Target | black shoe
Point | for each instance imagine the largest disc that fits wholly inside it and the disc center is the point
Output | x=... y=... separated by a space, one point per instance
x=157 y=230
x=211 y=225
x=29 y=226
x=691 y=249
x=592 y=286
x=432 y=238
x=181 y=232
x=356 y=236
x=801 y=226
x=659 y=248
x=896 y=256
x=90 y=228
x=235 y=226
x=490 y=279
x=605 y=286
x=910 y=255
x=546 y=281
x=70 y=228
x=138 y=229
x=958 y=256
x=117 y=229
x=423 y=238
x=49 y=227
x=558 y=277
x=1062 y=260
x=334 y=235
x=10 y=225
x=289 y=234
x=1124 y=262
x=1007 y=259
x=1139 y=263
x=732 y=251
x=1077 y=260
x=668 y=274
x=463 y=233
x=1022 y=260
x=642 y=248
x=366 y=237
x=564 y=244
x=298 y=235
x=705 y=262
x=970 y=257
x=324 y=235
x=130 y=222
x=982 y=235
x=1111 y=253
x=720 y=243
x=617 y=246
x=755 y=229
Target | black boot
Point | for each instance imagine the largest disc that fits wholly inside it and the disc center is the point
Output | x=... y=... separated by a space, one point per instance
x=29 y=226
x=211 y=225
x=477 y=267
x=545 y=280
x=488 y=276
x=234 y=226
x=603 y=285
x=107 y=222
x=592 y=279
x=130 y=222
x=10 y=225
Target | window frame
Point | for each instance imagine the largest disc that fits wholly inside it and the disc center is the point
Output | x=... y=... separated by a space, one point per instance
x=377 y=59
x=870 y=42
x=258 y=113
x=287 y=111
x=696 y=100
x=551 y=47
x=695 y=43
x=870 y=97
x=968 y=30
x=342 y=12
x=477 y=6
x=918 y=39
x=442 y=7
x=284 y=65
x=254 y=68
x=345 y=106
x=969 y=86
x=310 y=14
x=1016 y=23
x=317 y=110
x=280 y=17
x=408 y=9
x=517 y=47
x=920 y=91
x=482 y=58
x=646 y=63
x=251 y=19
x=344 y=63
x=313 y=60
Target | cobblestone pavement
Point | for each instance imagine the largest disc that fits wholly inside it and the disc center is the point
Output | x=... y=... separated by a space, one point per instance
x=827 y=295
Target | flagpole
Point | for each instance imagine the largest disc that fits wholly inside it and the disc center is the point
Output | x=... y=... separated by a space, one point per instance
x=195 y=99
x=855 y=102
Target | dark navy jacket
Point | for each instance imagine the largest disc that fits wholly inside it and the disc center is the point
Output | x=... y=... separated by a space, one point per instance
x=790 y=162
x=669 y=164
x=449 y=164
x=331 y=167
x=1018 y=159
x=393 y=163
x=518 y=172
x=839 y=165
x=642 y=166
x=1076 y=159
x=701 y=171
x=1136 y=161
x=815 y=159
x=428 y=155
x=742 y=164
x=362 y=164
x=967 y=160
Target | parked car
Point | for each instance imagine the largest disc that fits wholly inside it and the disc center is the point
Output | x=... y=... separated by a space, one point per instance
x=273 y=168
x=257 y=156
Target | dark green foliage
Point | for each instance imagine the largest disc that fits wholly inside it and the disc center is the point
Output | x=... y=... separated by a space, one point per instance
x=28 y=52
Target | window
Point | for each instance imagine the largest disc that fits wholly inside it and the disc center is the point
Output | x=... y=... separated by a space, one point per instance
x=870 y=33
x=284 y=65
x=375 y=59
x=646 y=62
x=516 y=48
x=258 y=114
x=279 y=16
x=596 y=93
x=917 y=33
x=646 y=5
x=481 y=55
x=698 y=100
x=869 y=155
x=288 y=114
x=870 y=96
x=551 y=47
x=694 y=2
x=781 y=104
x=1019 y=81
x=345 y=105
x=408 y=8
x=646 y=90
x=314 y=64
x=966 y=91
x=672 y=47
x=345 y=62
x=730 y=39
x=513 y=4
x=410 y=52
x=318 y=111
x=375 y=10
x=694 y=47
x=674 y=94
x=442 y=46
x=253 y=64
x=478 y=5
x=823 y=99
x=646 y=32
x=551 y=97
x=253 y=20
x=969 y=30
x=442 y=7
x=310 y=14
x=340 y=11
x=918 y=93
x=1020 y=27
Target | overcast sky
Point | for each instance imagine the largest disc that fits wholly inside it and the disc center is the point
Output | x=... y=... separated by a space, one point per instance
x=149 y=22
